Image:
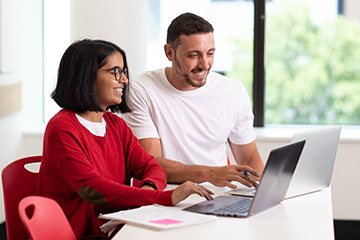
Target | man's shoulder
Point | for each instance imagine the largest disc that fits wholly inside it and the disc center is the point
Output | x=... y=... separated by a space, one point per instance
x=149 y=81
x=149 y=76
x=224 y=81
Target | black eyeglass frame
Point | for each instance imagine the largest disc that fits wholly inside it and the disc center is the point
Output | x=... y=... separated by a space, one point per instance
x=117 y=72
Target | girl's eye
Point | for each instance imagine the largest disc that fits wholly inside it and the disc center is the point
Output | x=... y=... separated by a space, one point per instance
x=114 y=70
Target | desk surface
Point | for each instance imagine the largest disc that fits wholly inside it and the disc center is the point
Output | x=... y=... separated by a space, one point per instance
x=305 y=217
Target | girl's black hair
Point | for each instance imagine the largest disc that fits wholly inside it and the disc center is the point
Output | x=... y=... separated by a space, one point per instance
x=76 y=82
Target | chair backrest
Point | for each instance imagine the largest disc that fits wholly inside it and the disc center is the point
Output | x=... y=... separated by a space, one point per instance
x=18 y=182
x=44 y=219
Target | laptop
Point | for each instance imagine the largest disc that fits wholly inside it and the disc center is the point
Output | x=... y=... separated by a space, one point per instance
x=271 y=190
x=314 y=170
x=316 y=164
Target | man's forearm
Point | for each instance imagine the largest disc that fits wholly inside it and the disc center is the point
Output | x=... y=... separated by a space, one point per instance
x=177 y=172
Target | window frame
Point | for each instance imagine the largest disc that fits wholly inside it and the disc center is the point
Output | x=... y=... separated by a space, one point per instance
x=259 y=63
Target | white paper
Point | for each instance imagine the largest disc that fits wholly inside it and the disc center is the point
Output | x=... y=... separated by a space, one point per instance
x=156 y=217
x=243 y=191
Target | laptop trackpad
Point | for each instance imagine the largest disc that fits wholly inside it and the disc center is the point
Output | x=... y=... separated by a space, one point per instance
x=213 y=207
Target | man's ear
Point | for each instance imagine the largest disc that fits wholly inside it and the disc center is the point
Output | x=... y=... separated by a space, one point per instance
x=169 y=52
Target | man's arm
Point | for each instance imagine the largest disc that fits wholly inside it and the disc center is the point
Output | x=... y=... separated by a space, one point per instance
x=178 y=172
x=247 y=154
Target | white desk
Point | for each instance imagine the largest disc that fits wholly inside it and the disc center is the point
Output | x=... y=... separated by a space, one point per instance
x=306 y=217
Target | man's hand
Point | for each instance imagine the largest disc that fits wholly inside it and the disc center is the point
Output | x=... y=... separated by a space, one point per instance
x=223 y=176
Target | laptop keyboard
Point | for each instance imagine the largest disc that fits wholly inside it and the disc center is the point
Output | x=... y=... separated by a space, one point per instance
x=239 y=206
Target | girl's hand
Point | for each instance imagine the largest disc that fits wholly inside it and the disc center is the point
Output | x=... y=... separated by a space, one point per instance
x=187 y=188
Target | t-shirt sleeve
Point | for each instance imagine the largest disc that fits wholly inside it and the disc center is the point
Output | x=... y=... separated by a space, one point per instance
x=243 y=130
x=139 y=119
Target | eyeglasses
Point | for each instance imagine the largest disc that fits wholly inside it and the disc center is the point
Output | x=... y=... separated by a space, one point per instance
x=118 y=72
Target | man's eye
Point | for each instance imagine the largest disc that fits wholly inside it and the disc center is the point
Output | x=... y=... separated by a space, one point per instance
x=193 y=55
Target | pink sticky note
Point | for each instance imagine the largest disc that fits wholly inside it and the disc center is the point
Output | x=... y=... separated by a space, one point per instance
x=166 y=221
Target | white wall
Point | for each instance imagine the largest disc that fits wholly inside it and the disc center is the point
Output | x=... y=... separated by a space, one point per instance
x=351 y=8
x=21 y=28
x=122 y=22
x=345 y=181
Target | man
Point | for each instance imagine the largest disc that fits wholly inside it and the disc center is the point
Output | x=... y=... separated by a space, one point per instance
x=184 y=114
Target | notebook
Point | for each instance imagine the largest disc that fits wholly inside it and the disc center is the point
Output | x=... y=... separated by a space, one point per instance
x=316 y=164
x=271 y=190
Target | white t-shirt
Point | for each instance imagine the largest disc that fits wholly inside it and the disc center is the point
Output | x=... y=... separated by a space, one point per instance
x=193 y=126
x=96 y=128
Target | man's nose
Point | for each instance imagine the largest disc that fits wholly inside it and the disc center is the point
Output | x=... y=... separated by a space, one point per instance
x=204 y=62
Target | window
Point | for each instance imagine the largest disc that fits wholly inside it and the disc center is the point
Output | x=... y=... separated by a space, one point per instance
x=312 y=64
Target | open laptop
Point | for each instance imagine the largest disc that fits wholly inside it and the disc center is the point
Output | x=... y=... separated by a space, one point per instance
x=271 y=190
x=316 y=164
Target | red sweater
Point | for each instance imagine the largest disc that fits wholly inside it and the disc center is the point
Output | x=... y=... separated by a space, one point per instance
x=88 y=174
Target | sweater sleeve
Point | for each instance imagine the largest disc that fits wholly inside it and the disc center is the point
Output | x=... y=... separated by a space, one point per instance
x=141 y=165
x=103 y=191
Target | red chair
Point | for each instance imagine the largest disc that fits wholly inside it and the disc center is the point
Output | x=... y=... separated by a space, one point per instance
x=18 y=182
x=44 y=219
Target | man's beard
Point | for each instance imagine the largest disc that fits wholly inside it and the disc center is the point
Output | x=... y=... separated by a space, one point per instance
x=187 y=78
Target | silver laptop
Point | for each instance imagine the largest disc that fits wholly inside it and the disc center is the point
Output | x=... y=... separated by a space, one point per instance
x=316 y=164
x=271 y=190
